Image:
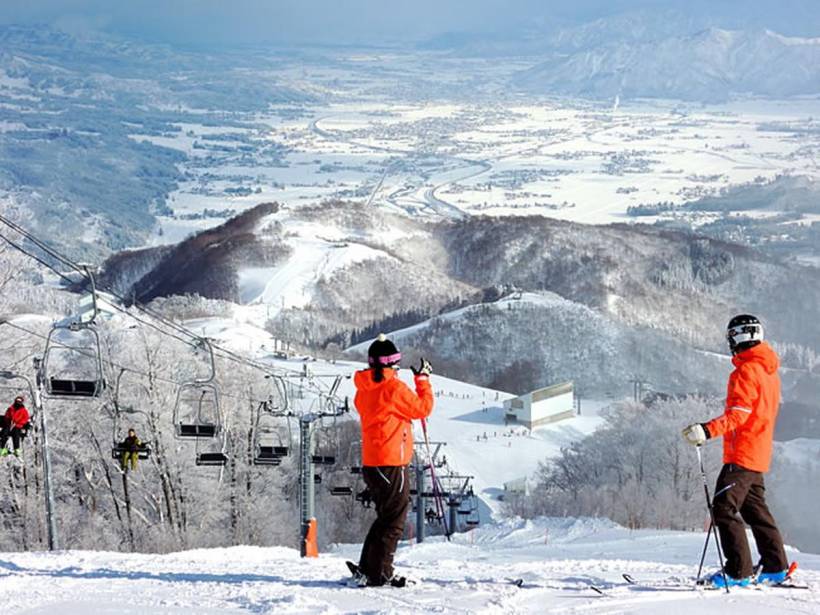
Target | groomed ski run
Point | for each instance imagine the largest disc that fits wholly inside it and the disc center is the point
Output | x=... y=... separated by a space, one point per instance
x=558 y=560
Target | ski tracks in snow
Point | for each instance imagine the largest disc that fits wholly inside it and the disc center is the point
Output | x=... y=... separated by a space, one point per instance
x=468 y=575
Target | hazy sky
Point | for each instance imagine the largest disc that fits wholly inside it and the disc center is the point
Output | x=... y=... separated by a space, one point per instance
x=370 y=21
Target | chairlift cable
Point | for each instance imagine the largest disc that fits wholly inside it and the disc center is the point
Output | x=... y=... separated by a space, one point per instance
x=131 y=370
x=224 y=352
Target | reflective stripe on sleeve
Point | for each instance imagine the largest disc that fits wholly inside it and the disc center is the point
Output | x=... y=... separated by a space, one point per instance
x=741 y=408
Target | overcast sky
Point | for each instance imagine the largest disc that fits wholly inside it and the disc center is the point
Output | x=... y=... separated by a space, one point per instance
x=371 y=21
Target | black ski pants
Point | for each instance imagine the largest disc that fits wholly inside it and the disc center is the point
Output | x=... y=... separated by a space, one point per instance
x=16 y=435
x=740 y=498
x=389 y=487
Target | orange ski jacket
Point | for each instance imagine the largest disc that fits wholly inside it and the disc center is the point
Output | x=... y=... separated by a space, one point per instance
x=386 y=409
x=752 y=402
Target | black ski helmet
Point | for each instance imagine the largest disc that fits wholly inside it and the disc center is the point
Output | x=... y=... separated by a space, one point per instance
x=383 y=353
x=744 y=332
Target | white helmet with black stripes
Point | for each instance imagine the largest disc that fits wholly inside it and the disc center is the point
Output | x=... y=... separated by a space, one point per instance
x=744 y=331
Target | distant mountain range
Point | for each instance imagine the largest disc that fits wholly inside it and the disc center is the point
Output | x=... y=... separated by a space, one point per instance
x=652 y=54
x=711 y=66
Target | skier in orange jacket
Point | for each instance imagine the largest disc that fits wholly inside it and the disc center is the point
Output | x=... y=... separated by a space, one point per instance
x=747 y=427
x=386 y=407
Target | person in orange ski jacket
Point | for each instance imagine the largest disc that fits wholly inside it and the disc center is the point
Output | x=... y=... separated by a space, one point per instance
x=747 y=427
x=386 y=407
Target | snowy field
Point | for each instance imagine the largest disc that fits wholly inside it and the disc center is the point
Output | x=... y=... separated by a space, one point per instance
x=557 y=559
x=567 y=159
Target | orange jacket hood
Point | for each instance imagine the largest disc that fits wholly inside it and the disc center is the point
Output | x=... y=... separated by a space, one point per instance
x=386 y=409
x=363 y=379
x=762 y=354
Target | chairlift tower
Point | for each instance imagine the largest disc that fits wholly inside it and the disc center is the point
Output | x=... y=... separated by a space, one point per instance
x=308 y=536
x=421 y=466
x=329 y=407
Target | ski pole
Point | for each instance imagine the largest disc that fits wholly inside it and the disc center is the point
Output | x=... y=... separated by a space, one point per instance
x=436 y=491
x=713 y=525
x=437 y=498
x=709 y=533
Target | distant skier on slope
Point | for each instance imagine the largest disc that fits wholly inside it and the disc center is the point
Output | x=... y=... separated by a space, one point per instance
x=387 y=406
x=15 y=426
x=747 y=427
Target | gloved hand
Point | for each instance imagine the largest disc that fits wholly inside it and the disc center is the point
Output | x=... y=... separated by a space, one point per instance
x=424 y=368
x=696 y=434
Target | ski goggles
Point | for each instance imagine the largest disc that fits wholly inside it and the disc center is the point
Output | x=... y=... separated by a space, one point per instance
x=391 y=359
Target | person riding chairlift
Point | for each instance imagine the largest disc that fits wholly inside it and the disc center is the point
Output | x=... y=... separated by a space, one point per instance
x=15 y=426
x=131 y=451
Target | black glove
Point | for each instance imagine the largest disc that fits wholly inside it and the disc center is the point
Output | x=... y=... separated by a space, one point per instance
x=424 y=368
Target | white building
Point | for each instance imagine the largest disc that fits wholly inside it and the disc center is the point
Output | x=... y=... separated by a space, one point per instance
x=547 y=405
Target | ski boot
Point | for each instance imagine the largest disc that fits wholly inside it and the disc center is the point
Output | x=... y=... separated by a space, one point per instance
x=719 y=580
x=357 y=577
x=778 y=577
x=4 y=452
x=772 y=578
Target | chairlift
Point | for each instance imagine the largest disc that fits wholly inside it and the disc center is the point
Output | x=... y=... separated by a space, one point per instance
x=328 y=444
x=211 y=458
x=196 y=410
x=269 y=446
x=72 y=359
x=341 y=491
x=210 y=452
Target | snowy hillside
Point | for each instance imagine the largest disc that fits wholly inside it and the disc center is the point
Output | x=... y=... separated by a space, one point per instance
x=609 y=289
x=557 y=559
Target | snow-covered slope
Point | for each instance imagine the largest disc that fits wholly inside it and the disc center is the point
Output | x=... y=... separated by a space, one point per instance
x=468 y=418
x=558 y=560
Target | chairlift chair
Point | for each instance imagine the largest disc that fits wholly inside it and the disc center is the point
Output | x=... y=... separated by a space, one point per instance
x=269 y=447
x=211 y=451
x=341 y=490
x=73 y=369
x=330 y=445
x=211 y=458
x=196 y=410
